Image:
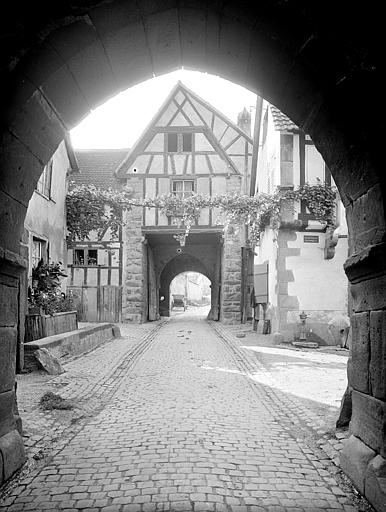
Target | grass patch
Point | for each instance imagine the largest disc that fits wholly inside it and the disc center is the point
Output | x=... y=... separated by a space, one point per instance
x=51 y=401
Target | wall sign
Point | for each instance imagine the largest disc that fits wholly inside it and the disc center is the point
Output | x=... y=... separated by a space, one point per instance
x=311 y=239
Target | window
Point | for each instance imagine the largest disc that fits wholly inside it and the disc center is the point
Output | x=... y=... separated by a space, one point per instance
x=172 y=143
x=180 y=142
x=44 y=184
x=186 y=142
x=92 y=257
x=87 y=257
x=183 y=188
x=39 y=251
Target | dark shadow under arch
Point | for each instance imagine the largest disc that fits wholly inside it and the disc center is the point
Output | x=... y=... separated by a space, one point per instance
x=321 y=63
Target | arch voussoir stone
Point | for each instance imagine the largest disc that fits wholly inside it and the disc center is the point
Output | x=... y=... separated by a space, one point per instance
x=325 y=72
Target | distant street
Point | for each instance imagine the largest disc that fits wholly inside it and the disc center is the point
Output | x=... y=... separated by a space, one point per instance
x=181 y=415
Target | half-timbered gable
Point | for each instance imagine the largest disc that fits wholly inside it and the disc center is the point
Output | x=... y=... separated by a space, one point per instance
x=188 y=147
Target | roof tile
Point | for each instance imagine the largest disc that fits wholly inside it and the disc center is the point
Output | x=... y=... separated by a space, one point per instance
x=281 y=121
x=97 y=166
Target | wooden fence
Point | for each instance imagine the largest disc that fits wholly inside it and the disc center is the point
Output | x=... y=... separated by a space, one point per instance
x=40 y=326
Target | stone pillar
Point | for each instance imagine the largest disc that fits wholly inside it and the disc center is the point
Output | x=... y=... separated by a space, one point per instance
x=363 y=457
x=231 y=272
x=230 y=308
x=12 y=454
x=132 y=304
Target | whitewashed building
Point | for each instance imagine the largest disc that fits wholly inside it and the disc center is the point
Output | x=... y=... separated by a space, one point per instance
x=300 y=265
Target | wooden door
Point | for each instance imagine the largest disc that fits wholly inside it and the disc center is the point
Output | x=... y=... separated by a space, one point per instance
x=110 y=300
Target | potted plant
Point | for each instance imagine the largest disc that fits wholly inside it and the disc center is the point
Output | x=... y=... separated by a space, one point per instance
x=45 y=295
x=47 y=304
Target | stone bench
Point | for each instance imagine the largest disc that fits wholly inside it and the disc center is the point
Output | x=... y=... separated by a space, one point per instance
x=69 y=344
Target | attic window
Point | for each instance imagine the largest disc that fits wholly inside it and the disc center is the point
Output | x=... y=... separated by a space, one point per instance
x=179 y=142
x=172 y=142
x=186 y=142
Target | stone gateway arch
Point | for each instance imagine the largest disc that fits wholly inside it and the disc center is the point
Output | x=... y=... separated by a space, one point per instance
x=320 y=63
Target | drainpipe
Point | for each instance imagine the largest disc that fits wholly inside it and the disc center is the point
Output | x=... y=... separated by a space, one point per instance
x=255 y=149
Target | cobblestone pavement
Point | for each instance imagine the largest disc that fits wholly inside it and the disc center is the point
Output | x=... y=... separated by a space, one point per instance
x=88 y=382
x=182 y=425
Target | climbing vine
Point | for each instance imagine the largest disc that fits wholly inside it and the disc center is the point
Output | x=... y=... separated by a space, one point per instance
x=91 y=209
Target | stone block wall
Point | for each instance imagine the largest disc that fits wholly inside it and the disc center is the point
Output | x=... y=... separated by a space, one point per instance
x=231 y=276
x=364 y=456
x=12 y=454
x=234 y=238
x=132 y=297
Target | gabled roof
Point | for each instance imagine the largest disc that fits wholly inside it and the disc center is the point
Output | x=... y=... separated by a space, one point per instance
x=143 y=139
x=97 y=166
x=281 y=122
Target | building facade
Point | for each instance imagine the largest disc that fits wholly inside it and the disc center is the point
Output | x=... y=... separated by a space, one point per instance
x=45 y=223
x=188 y=147
x=95 y=266
x=302 y=261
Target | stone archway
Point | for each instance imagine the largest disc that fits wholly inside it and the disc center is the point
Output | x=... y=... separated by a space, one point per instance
x=185 y=263
x=318 y=62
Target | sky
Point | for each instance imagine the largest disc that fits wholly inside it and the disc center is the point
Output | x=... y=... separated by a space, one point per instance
x=120 y=121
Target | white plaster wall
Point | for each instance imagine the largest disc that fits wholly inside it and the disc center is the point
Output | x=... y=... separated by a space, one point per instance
x=267 y=251
x=203 y=188
x=45 y=217
x=268 y=165
x=150 y=192
x=319 y=284
x=157 y=143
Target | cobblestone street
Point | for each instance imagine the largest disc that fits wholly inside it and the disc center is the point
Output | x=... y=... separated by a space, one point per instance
x=177 y=415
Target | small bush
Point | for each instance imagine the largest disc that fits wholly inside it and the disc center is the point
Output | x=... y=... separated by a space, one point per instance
x=51 y=401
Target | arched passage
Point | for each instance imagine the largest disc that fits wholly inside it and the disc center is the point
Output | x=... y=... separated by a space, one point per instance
x=195 y=288
x=178 y=265
x=318 y=62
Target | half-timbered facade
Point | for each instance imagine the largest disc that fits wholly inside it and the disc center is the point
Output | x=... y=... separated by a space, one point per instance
x=188 y=147
x=95 y=270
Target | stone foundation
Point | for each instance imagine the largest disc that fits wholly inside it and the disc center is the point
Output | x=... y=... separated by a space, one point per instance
x=366 y=469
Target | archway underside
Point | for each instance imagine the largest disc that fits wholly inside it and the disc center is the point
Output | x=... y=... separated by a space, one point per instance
x=201 y=253
x=318 y=62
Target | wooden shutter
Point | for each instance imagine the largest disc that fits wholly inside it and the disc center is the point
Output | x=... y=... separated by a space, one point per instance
x=261 y=283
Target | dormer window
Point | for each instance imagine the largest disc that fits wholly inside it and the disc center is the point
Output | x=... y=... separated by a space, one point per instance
x=180 y=142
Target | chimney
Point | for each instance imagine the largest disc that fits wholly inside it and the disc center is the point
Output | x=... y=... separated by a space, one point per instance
x=244 y=121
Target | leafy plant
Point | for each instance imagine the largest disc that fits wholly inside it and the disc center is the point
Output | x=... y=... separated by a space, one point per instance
x=93 y=209
x=45 y=292
x=257 y=212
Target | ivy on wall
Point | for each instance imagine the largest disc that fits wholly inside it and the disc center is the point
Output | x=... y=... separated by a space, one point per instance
x=92 y=209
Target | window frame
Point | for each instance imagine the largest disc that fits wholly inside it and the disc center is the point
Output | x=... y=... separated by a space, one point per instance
x=86 y=257
x=183 y=193
x=180 y=136
x=43 y=186
x=42 y=244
